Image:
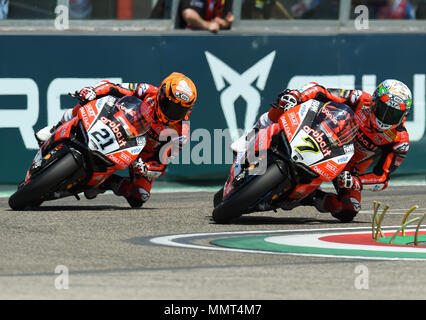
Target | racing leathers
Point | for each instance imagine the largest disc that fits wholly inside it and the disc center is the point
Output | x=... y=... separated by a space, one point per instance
x=385 y=150
x=163 y=142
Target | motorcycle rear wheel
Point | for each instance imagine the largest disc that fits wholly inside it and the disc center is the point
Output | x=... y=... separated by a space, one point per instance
x=239 y=202
x=31 y=193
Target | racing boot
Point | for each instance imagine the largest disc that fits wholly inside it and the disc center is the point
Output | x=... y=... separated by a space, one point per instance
x=112 y=183
x=329 y=202
x=316 y=199
x=242 y=142
x=44 y=134
x=93 y=192
x=118 y=185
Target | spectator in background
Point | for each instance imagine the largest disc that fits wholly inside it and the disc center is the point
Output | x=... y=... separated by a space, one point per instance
x=301 y=7
x=388 y=9
x=4 y=8
x=211 y=15
x=80 y=9
x=421 y=10
x=396 y=9
x=315 y=9
x=161 y=10
x=264 y=9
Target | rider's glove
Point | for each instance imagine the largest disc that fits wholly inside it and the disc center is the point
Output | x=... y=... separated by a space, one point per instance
x=347 y=181
x=87 y=93
x=287 y=99
x=151 y=169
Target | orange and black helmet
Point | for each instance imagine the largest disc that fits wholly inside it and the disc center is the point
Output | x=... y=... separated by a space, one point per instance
x=175 y=98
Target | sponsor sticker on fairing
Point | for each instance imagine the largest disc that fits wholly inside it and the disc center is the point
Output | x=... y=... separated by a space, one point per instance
x=315 y=105
x=323 y=173
x=302 y=111
x=135 y=150
x=348 y=148
x=319 y=138
x=286 y=128
x=141 y=141
x=342 y=159
x=293 y=118
x=332 y=168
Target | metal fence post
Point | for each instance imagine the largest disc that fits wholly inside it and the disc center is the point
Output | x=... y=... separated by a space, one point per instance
x=236 y=11
x=344 y=12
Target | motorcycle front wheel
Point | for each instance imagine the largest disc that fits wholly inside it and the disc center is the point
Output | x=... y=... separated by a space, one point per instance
x=240 y=201
x=31 y=193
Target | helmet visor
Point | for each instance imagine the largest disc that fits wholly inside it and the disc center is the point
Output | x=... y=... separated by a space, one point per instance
x=172 y=110
x=386 y=114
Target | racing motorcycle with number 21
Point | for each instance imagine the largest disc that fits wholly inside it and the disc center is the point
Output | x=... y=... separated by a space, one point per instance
x=107 y=135
x=284 y=163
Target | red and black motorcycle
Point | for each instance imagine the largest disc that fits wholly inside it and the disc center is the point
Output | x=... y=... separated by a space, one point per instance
x=107 y=135
x=287 y=161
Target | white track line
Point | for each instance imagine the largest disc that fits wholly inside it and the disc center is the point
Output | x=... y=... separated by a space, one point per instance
x=169 y=240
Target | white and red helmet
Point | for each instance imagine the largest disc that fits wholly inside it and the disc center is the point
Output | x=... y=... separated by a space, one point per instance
x=390 y=104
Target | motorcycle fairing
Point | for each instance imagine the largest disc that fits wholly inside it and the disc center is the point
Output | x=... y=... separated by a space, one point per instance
x=312 y=146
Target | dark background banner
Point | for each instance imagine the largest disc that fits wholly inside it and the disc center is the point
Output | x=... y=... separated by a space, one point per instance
x=237 y=77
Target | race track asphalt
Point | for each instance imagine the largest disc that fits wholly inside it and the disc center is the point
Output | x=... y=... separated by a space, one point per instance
x=105 y=247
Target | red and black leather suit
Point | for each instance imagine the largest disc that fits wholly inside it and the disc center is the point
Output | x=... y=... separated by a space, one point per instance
x=385 y=150
x=137 y=188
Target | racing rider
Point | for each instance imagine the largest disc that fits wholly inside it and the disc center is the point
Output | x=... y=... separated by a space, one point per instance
x=381 y=140
x=171 y=103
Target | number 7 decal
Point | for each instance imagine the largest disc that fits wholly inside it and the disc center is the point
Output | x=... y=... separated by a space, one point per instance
x=311 y=147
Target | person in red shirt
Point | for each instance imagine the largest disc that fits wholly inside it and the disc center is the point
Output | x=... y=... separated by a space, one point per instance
x=211 y=15
x=396 y=9
x=381 y=140
x=170 y=103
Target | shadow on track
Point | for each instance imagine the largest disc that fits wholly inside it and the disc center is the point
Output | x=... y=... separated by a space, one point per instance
x=84 y=208
x=260 y=220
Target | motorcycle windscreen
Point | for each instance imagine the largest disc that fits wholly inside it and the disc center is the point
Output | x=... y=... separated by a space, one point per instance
x=323 y=133
x=137 y=113
x=338 y=123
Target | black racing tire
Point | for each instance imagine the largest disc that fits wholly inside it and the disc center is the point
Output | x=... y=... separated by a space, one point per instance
x=239 y=202
x=218 y=196
x=47 y=181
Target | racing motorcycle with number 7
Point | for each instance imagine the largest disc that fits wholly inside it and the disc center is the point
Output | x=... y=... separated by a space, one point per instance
x=284 y=163
x=106 y=135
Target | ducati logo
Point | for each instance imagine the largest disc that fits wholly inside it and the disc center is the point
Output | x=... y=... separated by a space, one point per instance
x=240 y=85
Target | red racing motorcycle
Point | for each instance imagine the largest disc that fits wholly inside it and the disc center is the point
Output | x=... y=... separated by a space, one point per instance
x=107 y=135
x=286 y=162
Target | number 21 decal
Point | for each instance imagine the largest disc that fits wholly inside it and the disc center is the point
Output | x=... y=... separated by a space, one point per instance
x=103 y=137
